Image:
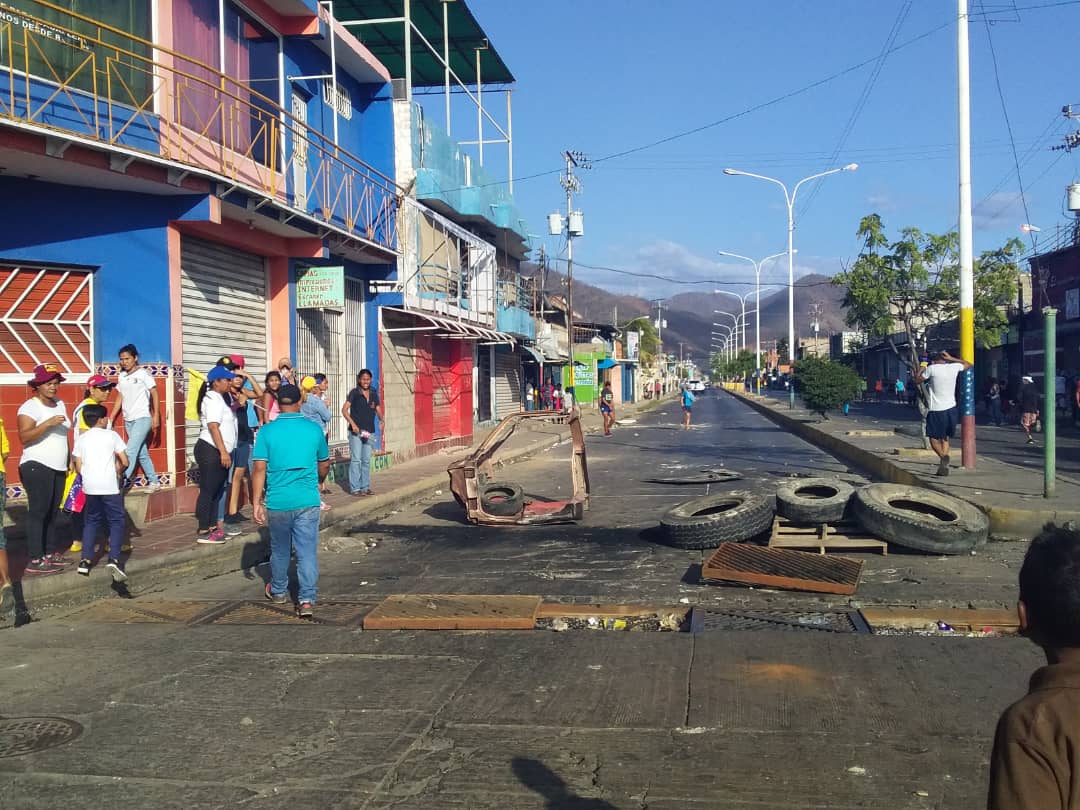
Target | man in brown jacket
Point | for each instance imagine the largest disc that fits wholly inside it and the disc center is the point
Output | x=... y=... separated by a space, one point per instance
x=1036 y=759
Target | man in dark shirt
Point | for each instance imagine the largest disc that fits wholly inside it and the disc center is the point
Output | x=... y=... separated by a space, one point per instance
x=360 y=409
x=1035 y=764
x=1029 y=407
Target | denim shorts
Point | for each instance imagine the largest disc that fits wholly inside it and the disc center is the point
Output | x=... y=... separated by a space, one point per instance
x=241 y=455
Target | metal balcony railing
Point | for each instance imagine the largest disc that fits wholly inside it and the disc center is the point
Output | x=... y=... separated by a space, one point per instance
x=83 y=78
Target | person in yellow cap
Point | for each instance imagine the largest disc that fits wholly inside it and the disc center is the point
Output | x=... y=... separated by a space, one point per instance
x=314 y=409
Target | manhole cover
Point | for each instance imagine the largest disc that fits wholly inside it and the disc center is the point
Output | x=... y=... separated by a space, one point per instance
x=25 y=735
x=804 y=621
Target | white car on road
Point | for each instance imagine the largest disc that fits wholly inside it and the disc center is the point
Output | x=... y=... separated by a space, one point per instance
x=695 y=385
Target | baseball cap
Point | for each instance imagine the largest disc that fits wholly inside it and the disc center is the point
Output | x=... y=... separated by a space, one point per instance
x=1025 y=378
x=308 y=383
x=98 y=381
x=226 y=362
x=237 y=360
x=288 y=394
x=219 y=373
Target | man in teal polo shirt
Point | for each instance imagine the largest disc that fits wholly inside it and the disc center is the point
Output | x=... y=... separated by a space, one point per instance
x=291 y=462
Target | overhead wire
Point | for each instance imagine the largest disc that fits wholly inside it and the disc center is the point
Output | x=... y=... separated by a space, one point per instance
x=864 y=96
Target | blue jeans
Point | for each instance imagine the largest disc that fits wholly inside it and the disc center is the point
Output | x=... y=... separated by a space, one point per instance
x=107 y=509
x=294 y=529
x=137 y=451
x=359 y=463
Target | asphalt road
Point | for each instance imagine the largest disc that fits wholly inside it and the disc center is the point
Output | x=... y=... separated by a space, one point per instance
x=188 y=697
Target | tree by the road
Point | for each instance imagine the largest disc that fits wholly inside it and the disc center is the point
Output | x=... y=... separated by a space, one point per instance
x=740 y=366
x=825 y=385
x=909 y=286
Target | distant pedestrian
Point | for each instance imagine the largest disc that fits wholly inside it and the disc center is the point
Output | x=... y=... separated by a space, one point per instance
x=361 y=408
x=100 y=456
x=557 y=397
x=7 y=591
x=1034 y=762
x=941 y=419
x=213 y=453
x=656 y=389
x=1029 y=406
x=899 y=390
x=137 y=399
x=879 y=389
x=687 y=406
x=285 y=369
x=43 y=431
x=312 y=407
x=607 y=407
x=529 y=392
x=291 y=462
x=993 y=399
x=567 y=399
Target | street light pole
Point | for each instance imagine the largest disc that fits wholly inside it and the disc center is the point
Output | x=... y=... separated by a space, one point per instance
x=757 y=291
x=790 y=199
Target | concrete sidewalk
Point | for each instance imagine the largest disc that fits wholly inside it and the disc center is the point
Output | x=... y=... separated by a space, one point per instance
x=166 y=549
x=1010 y=493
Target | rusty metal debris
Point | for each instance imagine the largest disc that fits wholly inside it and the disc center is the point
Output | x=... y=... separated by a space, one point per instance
x=780 y=568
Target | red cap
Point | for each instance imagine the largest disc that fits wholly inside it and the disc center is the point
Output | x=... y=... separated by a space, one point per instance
x=237 y=360
x=44 y=373
x=98 y=381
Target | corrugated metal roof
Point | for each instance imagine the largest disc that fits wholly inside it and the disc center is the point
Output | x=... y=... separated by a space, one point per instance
x=387 y=40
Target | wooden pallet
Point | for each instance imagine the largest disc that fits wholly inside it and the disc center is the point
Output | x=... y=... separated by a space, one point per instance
x=822 y=536
x=1000 y=621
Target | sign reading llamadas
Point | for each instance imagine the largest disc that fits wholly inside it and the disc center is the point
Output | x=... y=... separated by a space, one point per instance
x=320 y=287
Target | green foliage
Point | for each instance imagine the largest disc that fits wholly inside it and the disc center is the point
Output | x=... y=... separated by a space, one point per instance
x=825 y=385
x=742 y=365
x=913 y=284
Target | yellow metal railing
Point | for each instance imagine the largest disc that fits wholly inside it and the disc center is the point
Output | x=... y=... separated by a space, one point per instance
x=75 y=78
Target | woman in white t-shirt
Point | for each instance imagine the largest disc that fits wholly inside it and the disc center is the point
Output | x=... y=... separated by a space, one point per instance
x=213 y=453
x=43 y=431
x=137 y=397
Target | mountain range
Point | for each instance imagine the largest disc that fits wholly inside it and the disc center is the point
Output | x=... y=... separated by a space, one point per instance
x=690 y=315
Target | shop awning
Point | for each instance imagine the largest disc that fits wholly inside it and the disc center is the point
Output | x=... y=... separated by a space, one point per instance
x=607 y=362
x=448 y=328
x=536 y=356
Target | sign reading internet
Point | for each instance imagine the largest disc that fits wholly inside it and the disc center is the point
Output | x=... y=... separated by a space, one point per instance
x=320 y=288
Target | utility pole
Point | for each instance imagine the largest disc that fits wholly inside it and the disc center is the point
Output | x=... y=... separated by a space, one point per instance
x=967 y=275
x=815 y=323
x=570 y=183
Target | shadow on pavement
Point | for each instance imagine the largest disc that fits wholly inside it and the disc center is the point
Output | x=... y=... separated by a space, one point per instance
x=539 y=778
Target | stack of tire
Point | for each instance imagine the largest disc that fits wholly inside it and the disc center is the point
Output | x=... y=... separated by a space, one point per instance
x=917 y=518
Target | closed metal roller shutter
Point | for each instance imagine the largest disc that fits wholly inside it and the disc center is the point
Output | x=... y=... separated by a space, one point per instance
x=222 y=310
x=442 y=395
x=507 y=383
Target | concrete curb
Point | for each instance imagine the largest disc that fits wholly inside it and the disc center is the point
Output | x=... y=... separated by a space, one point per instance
x=1006 y=523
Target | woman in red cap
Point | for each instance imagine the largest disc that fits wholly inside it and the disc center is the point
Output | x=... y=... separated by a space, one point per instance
x=43 y=431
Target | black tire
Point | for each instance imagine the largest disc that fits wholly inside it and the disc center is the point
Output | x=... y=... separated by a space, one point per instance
x=814 y=500
x=501 y=499
x=707 y=522
x=921 y=519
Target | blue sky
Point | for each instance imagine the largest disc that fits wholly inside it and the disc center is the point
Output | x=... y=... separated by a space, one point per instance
x=604 y=76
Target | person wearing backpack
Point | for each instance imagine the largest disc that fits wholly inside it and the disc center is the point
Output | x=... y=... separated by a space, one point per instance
x=687 y=406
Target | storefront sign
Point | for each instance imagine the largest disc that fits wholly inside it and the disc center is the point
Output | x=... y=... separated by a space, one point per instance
x=584 y=375
x=633 y=339
x=320 y=287
x=41 y=29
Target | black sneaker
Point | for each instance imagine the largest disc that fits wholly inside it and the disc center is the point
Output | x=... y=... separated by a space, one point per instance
x=84 y=567
x=116 y=568
x=235 y=518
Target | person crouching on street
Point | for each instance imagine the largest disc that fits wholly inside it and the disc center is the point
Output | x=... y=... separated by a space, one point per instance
x=291 y=460
x=1035 y=761
x=100 y=457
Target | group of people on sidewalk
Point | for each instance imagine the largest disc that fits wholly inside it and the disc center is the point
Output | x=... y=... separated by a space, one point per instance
x=549 y=396
x=81 y=465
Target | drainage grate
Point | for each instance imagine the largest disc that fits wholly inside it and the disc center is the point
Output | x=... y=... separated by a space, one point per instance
x=25 y=735
x=333 y=614
x=261 y=612
x=799 y=621
x=780 y=568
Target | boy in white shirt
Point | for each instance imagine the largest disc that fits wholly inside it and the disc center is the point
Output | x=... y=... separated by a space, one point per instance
x=100 y=456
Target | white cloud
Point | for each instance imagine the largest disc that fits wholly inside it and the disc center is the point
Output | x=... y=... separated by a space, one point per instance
x=881 y=202
x=1002 y=210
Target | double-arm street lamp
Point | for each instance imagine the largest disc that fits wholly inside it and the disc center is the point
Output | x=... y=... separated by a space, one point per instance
x=757 y=291
x=790 y=199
